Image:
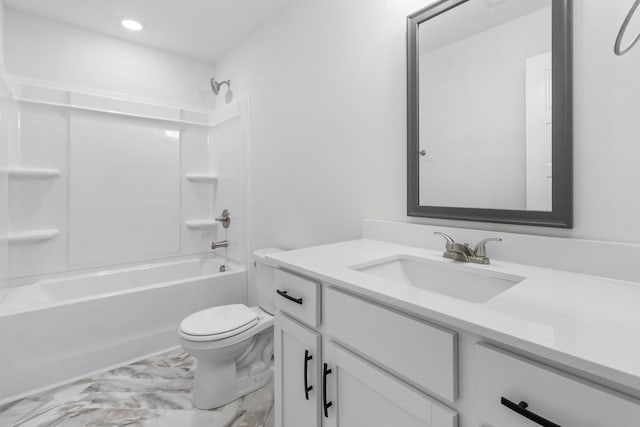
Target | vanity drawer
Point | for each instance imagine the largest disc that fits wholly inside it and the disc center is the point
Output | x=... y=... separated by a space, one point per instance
x=298 y=296
x=422 y=354
x=553 y=395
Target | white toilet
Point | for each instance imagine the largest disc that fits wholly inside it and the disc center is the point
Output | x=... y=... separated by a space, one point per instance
x=232 y=344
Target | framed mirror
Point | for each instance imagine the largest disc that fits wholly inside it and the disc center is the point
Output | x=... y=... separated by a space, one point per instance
x=490 y=111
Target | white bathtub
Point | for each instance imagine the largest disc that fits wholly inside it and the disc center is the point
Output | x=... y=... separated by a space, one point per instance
x=56 y=330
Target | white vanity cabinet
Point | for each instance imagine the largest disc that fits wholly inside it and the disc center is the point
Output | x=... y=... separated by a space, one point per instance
x=551 y=348
x=376 y=366
x=297 y=380
x=360 y=394
x=370 y=384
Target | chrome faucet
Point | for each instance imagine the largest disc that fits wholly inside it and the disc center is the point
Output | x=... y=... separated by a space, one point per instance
x=462 y=252
x=222 y=244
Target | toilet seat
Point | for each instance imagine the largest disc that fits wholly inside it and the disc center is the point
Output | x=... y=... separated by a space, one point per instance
x=218 y=323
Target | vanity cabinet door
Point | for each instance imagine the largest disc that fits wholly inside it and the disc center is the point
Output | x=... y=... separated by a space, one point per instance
x=515 y=392
x=359 y=394
x=297 y=373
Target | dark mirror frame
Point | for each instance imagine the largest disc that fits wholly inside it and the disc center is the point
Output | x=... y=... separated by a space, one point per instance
x=561 y=214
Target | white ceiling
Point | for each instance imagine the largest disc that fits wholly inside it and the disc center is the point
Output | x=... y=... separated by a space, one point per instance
x=203 y=29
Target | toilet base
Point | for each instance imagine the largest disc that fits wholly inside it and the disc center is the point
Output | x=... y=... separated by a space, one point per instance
x=248 y=385
x=227 y=369
x=205 y=396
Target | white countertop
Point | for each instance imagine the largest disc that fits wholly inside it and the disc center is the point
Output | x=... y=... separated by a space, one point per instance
x=589 y=323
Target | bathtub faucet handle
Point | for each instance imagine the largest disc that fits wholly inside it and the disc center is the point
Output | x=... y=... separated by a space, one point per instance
x=225 y=218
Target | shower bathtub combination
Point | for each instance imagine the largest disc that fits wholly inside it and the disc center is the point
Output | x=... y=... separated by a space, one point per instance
x=109 y=206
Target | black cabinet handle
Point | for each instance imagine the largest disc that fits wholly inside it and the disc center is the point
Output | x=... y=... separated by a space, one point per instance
x=521 y=408
x=325 y=404
x=290 y=298
x=307 y=387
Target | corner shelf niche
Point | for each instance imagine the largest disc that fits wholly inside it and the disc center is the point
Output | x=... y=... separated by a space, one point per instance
x=32 y=236
x=33 y=173
x=201 y=177
x=201 y=224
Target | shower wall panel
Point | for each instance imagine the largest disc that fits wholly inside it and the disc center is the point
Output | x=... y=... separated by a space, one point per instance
x=7 y=120
x=197 y=197
x=37 y=202
x=124 y=192
x=228 y=156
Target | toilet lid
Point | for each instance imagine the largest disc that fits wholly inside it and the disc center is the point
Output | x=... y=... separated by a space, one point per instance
x=219 y=320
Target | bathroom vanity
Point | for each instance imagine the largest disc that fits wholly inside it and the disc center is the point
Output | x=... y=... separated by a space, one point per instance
x=374 y=333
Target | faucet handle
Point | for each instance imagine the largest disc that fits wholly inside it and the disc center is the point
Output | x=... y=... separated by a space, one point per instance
x=449 y=239
x=224 y=219
x=480 y=250
x=446 y=236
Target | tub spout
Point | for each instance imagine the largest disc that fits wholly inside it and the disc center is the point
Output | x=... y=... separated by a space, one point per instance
x=222 y=244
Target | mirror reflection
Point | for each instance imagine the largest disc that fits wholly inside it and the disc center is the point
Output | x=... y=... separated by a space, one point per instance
x=485 y=106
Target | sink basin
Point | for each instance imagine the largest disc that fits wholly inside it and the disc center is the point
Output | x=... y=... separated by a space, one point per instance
x=454 y=279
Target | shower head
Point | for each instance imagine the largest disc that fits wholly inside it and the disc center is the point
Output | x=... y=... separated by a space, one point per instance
x=215 y=85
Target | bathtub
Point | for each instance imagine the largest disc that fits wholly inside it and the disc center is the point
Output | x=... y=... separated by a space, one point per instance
x=56 y=330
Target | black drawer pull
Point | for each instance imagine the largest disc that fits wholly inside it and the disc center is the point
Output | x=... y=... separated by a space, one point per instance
x=307 y=387
x=326 y=371
x=521 y=408
x=290 y=298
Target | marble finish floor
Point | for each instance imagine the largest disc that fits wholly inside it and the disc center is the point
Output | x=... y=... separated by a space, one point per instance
x=154 y=392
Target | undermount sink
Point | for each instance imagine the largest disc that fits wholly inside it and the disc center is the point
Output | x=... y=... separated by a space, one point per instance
x=448 y=278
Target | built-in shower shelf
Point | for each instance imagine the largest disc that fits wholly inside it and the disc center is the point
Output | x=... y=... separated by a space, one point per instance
x=201 y=224
x=33 y=236
x=33 y=173
x=201 y=177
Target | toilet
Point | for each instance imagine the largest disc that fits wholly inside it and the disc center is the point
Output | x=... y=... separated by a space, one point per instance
x=232 y=344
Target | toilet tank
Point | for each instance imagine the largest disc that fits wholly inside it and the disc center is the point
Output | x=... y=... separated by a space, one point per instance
x=265 y=280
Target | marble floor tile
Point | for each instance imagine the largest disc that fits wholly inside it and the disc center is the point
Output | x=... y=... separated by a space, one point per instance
x=11 y=413
x=270 y=421
x=132 y=385
x=155 y=392
x=142 y=400
x=259 y=409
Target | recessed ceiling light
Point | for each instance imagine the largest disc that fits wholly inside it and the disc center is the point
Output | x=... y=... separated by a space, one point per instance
x=132 y=25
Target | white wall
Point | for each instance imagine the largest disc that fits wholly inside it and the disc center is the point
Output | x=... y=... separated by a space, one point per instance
x=5 y=103
x=607 y=126
x=4 y=185
x=327 y=87
x=41 y=49
x=328 y=132
x=2 y=18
